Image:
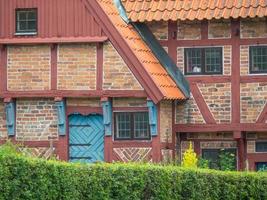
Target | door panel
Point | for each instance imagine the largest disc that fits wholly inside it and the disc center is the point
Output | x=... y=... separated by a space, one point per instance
x=86 y=138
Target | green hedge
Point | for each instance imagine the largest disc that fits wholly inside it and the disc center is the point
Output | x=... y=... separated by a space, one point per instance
x=27 y=178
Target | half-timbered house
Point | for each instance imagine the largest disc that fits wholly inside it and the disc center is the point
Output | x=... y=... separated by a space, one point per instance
x=135 y=80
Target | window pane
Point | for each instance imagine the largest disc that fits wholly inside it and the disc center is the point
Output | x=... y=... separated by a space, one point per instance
x=213 y=60
x=141 y=125
x=261 y=146
x=26 y=20
x=123 y=125
x=193 y=60
x=212 y=155
x=261 y=166
x=258 y=59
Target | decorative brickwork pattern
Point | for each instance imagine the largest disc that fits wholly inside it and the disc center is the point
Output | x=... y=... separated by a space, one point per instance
x=91 y=102
x=253 y=99
x=117 y=75
x=188 y=112
x=133 y=154
x=180 y=58
x=218 y=99
x=39 y=152
x=167 y=155
x=166 y=121
x=189 y=30
x=218 y=144
x=159 y=29
x=210 y=136
x=253 y=28
x=129 y=102
x=3 y=129
x=77 y=67
x=227 y=60
x=28 y=68
x=36 y=120
x=219 y=29
x=244 y=59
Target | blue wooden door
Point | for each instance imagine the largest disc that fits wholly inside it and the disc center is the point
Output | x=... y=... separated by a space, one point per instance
x=86 y=138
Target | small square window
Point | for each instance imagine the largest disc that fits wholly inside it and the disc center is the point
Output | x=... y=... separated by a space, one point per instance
x=258 y=59
x=203 y=60
x=131 y=125
x=261 y=146
x=26 y=21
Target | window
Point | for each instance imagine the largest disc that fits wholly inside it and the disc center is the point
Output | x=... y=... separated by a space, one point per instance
x=130 y=125
x=258 y=59
x=203 y=60
x=261 y=166
x=26 y=21
x=261 y=146
x=217 y=157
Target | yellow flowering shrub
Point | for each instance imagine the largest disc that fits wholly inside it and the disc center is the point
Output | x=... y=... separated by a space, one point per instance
x=190 y=158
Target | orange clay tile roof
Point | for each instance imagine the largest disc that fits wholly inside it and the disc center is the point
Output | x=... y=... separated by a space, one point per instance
x=148 y=10
x=151 y=64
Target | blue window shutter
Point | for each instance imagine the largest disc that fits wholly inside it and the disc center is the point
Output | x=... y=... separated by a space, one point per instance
x=153 y=117
x=10 y=118
x=61 y=114
x=107 y=114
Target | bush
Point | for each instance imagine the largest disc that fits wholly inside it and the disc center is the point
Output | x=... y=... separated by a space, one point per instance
x=28 y=178
x=190 y=158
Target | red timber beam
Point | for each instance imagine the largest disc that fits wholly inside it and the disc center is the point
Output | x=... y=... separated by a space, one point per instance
x=54 y=52
x=100 y=56
x=3 y=68
x=203 y=107
x=263 y=115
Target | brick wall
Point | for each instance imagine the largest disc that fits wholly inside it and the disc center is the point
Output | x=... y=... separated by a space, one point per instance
x=28 y=68
x=253 y=98
x=77 y=67
x=90 y=102
x=188 y=30
x=218 y=99
x=159 y=29
x=166 y=121
x=117 y=76
x=219 y=29
x=253 y=28
x=3 y=129
x=218 y=144
x=188 y=112
x=210 y=136
x=244 y=60
x=36 y=119
x=129 y=102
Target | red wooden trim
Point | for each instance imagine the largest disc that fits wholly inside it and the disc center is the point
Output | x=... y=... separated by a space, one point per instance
x=75 y=93
x=32 y=143
x=173 y=131
x=204 y=30
x=172 y=36
x=54 y=49
x=209 y=79
x=130 y=109
x=197 y=148
x=253 y=79
x=263 y=115
x=219 y=127
x=100 y=54
x=156 y=143
x=241 y=154
x=235 y=75
x=203 y=107
x=124 y=50
x=108 y=149
x=84 y=110
x=62 y=149
x=3 y=68
x=53 y=40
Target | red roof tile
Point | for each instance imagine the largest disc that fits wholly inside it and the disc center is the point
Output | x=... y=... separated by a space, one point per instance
x=148 y=10
x=143 y=53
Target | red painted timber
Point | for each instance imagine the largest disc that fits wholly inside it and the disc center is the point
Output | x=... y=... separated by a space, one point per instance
x=256 y=157
x=108 y=149
x=53 y=40
x=209 y=79
x=56 y=18
x=130 y=109
x=204 y=30
x=263 y=115
x=203 y=107
x=172 y=36
x=241 y=154
x=75 y=93
x=254 y=79
x=84 y=110
x=3 y=68
x=54 y=49
x=100 y=55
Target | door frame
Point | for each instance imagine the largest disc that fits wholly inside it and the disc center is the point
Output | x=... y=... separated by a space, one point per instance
x=63 y=146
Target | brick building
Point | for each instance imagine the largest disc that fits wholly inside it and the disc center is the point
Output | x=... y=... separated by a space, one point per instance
x=128 y=80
